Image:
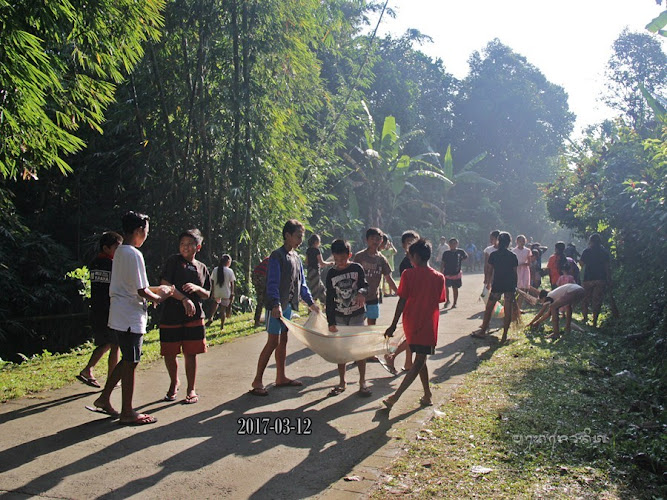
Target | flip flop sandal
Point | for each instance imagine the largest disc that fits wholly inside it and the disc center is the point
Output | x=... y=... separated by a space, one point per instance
x=92 y=381
x=291 y=383
x=97 y=409
x=425 y=402
x=387 y=366
x=169 y=397
x=365 y=392
x=190 y=400
x=258 y=391
x=141 y=419
x=335 y=391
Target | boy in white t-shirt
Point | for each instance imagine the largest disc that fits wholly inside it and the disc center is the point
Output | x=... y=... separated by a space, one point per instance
x=564 y=296
x=129 y=291
x=222 y=290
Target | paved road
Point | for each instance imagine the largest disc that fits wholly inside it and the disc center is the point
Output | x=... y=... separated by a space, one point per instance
x=51 y=446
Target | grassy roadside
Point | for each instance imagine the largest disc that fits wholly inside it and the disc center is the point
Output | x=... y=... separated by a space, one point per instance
x=582 y=417
x=52 y=371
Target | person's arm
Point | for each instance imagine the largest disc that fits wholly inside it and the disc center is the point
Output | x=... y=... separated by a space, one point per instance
x=188 y=305
x=386 y=271
x=323 y=262
x=544 y=311
x=464 y=255
x=305 y=292
x=487 y=270
x=150 y=295
x=330 y=305
x=200 y=291
x=389 y=332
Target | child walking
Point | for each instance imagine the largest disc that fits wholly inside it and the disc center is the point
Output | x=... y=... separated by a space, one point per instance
x=451 y=268
x=129 y=291
x=346 y=295
x=182 y=322
x=222 y=289
x=285 y=283
x=100 y=278
x=420 y=292
x=503 y=264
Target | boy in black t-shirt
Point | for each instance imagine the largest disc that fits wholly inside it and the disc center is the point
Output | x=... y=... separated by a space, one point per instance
x=346 y=296
x=100 y=277
x=182 y=322
x=503 y=265
x=451 y=268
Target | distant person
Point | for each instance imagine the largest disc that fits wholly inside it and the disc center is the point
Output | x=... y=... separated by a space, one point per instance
x=493 y=246
x=525 y=257
x=451 y=268
x=389 y=251
x=375 y=267
x=223 y=282
x=182 y=326
x=503 y=265
x=420 y=292
x=100 y=278
x=565 y=296
x=535 y=269
x=314 y=262
x=407 y=238
x=597 y=275
x=285 y=283
x=571 y=252
x=471 y=262
x=566 y=277
x=258 y=278
x=346 y=295
x=442 y=248
x=129 y=291
x=555 y=262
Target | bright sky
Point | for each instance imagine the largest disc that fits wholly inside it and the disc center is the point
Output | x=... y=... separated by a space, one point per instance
x=568 y=40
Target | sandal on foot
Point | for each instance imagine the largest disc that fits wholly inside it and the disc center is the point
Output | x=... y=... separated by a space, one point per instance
x=365 y=392
x=106 y=411
x=142 y=419
x=388 y=364
x=425 y=402
x=169 y=397
x=290 y=383
x=258 y=391
x=478 y=334
x=91 y=381
x=335 y=391
x=190 y=400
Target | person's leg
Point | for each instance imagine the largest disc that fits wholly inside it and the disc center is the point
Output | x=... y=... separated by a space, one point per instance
x=407 y=364
x=371 y=321
x=568 y=318
x=211 y=314
x=104 y=400
x=555 y=318
x=587 y=298
x=127 y=413
x=448 y=287
x=598 y=295
x=264 y=356
x=258 y=314
x=341 y=376
x=491 y=303
x=95 y=357
x=423 y=375
x=191 y=374
x=171 y=362
x=455 y=292
x=114 y=356
x=420 y=360
x=363 y=388
x=281 y=356
x=509 y=312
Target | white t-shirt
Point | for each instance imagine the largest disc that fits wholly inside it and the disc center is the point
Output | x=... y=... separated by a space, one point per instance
x=223 y=291
x=490 y=249
x=442 y=248
x=561 y=291
x=128 y=274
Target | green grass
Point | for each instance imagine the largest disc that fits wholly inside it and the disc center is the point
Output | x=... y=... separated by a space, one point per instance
x=531 y=414
x=52 y=371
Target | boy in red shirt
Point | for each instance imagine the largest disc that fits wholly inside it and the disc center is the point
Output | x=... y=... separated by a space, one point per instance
x=420 y=292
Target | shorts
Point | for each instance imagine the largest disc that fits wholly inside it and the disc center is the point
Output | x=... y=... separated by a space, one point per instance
x=188 y=338
x=357 y=320
x=496 y=296
x=130 y=345
x=372 y=311
x=453 y=283
x=422 y=349
x=104 y=335
x=275 y=326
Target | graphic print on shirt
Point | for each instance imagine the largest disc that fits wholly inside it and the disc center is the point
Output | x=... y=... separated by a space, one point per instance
x=100 y=276
x=347 y=289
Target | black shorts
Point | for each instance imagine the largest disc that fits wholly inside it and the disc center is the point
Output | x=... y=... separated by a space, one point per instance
x=104 y=335
x=422 y=349
x=130 y=345
x=453 y=283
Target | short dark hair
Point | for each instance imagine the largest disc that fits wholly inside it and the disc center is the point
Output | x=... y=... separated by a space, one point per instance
x=410 y=234
x=454 y=240
x=422 y=249
x=543 y=294
x=291 y=226
x=109 y=239
x=495 y=233
x=339 y=247
x=373 y=231
x=504 y=239
x=134 y=220
x=560 y=247
x=314 y=238
x=595 y=239
x=193 y=233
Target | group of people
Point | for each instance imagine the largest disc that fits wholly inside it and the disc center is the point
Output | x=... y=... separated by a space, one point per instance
x=351 y=294
x=120 y=292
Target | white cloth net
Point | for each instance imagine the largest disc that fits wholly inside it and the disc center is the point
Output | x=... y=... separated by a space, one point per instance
x=349 y=343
